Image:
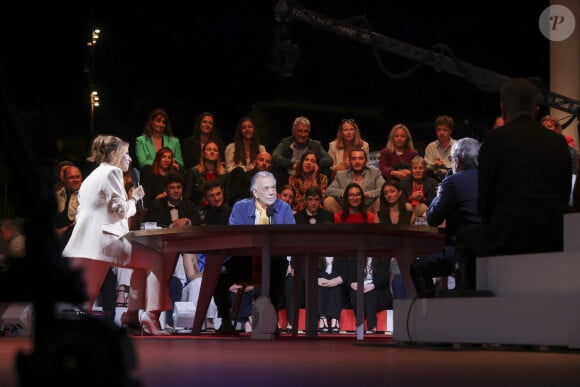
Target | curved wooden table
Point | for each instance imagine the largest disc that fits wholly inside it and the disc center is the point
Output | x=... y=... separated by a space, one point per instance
x=301 y=241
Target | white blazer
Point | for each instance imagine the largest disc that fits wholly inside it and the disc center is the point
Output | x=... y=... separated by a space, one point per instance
x=229 y=158
x=101 y=220
x=337 y=155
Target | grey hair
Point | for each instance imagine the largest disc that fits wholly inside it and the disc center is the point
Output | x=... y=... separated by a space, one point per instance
x=466 y=150
x=301 y=120
x=257 y=175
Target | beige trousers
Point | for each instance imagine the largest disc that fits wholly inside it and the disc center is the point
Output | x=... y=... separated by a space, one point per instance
x=149 y=280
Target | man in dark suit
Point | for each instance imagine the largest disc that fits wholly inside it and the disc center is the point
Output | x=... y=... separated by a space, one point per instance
x=456 y=204
x=173 y=211
x=313 y=213
x=524 y=179
x=216 y=211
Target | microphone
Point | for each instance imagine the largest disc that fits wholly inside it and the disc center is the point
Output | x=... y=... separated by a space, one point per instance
x=136 y=178
x=270 y=212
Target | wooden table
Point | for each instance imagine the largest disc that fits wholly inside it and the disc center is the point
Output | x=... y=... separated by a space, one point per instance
x=300 y=241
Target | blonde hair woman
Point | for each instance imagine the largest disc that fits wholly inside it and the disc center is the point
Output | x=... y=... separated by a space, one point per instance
x=395 y=158
x=97 y=241
x=348 y=138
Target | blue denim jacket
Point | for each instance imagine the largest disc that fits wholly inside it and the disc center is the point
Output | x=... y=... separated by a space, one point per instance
x=244 y=212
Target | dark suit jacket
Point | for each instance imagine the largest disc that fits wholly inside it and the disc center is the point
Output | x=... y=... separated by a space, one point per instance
x=159 y=212
x=524 y=187
x=322 y=216
x=380 y=279
x=216 y=215
x=456 y=203
x=237 y=185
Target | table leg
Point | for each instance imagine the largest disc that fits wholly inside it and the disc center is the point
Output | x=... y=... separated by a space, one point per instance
x=296 y=292
x=360 y=301
x=311 y=307
x=263 y=312
x=405 y=259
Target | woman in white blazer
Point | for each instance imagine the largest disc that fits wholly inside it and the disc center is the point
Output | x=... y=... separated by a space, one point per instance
x=348 y=137
x=98 y=241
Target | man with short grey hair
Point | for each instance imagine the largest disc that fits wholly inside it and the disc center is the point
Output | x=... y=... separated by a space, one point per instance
x=456 y=204
x=288 y=152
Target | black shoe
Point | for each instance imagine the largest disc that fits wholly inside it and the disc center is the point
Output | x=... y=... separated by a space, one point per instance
x=228 y=330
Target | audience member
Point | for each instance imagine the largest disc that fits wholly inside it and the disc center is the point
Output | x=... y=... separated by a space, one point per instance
x=237 y=185
x=59 y=173
x=97 y=241
x=375 y=283
x=331 y=275
x=313 y=213
x=287 y=153
x=216 y=211
x=287 y=194
x=236 y=271
x=359 y=172
x=394 y=211
x=153 y=176
x=393 y=208
x=456 y=204
x=347 y=138
x=11 y=234
x=307 y=175
x=521 y=212
x=209 y=168
x=354 y=209
x=204 y=129
x=554 y=125
x=194 y=265
x=67 y=203
x=243 y=150
x=395 y=158
x=157 y=134
x=418 y=189
x=437 y=152
x=174 y=209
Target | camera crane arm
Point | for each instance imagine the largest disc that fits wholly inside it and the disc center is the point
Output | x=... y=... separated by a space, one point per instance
x=287 y=10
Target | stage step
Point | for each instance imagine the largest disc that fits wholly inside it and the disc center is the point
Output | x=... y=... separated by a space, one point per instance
x=536 y=302
x=549 y=320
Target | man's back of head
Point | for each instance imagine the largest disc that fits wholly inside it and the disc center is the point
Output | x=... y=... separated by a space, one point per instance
x=519 y=97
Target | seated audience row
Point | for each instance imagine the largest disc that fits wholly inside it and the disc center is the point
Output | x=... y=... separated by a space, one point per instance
x=394 y=159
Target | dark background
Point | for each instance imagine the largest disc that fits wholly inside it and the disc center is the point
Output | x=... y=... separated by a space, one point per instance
x=217 y=56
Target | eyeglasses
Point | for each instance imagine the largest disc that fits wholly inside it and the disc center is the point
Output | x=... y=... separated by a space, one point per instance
x=350 y=120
